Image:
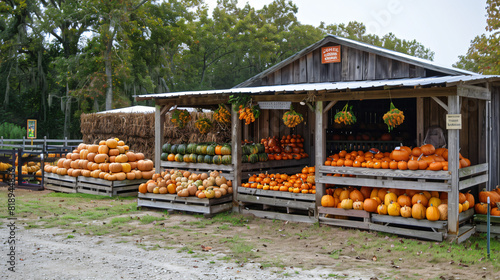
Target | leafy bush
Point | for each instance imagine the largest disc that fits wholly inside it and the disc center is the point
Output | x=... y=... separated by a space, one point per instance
x=12 y=131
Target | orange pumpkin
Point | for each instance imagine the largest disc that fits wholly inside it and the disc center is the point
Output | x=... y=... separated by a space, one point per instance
x=115 y=167
x=356 y=195
x=399 y=155
x=402 y=165
x=428 y=149
x=327 y=201
x=404 y=200
x=413 y=164
x=432 y=213
x=419 y=197
x=145 y=165
x=370 y=205
x=481 y=208
x=495 y=211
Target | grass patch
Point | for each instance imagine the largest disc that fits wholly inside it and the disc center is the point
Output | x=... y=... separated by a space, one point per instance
x=120 y=220
x=149 y=219
x=70 y=236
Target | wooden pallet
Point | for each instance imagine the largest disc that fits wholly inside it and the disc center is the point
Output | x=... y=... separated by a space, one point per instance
x=60 y=183
x=97 y=186
x=226 y=170
x=288 y=206
x=272 y=166
x=344 y=218
x=481 y=224
x=189 y=204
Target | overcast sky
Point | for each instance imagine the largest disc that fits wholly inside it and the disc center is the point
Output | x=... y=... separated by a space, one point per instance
x=444 y=26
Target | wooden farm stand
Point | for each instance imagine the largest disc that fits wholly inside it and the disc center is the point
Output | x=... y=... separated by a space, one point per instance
x=369 y=77
x=89 y=185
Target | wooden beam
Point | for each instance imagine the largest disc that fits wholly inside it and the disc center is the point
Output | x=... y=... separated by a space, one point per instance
x=236 y=155
x=319 y=148
x=420 y=121
x=453 y=159
x=329 y=106
x=386 y=94
x=441 y=103
x=159 y=121
x=473 y=92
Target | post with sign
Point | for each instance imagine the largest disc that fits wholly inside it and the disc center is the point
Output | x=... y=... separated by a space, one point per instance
x=453 y=124
x=31 y=130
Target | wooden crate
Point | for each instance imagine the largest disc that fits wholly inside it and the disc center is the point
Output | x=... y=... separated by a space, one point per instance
x=60 y=183
x=189 y=204
x=274 y=166
x=295 y=207
x=226 y=170
x=98 y=186
x=481 y=224
x=406 y=179
x=344 y=218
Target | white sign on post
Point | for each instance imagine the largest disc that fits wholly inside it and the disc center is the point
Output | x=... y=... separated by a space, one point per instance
x=275 y=105
x=453 y=121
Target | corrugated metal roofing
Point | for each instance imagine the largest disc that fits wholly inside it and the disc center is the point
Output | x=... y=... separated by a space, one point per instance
x=133 y=109
x=332 y=87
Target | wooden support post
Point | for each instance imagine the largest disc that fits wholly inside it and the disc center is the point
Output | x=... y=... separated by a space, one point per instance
x=236 y=156
x=159 y=121
x=453 y=159
x=420 y=121
x=319 y=148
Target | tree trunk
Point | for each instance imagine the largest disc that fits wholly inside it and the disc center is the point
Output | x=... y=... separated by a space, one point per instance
x=109 y=78
x=67 y=112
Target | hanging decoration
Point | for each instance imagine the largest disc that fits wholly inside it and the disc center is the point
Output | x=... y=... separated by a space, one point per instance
x=346 y=116
x=242 y=103
x=204 y=125
x=181 y=117
x=222 y=114
x=393 y=117
x=292 y=118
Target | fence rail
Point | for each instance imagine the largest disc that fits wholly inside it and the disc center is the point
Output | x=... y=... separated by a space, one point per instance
x=38 y=144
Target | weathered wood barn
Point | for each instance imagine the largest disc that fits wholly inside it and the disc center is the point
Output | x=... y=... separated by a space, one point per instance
x=327 y=75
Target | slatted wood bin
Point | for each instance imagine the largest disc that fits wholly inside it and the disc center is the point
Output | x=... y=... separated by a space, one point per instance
x=97 y=186
x=295 y=207
x=60 y=183
x=481 y=224
x=288 y=167
x=206 y=206
x=225 y=170
x=402 y=179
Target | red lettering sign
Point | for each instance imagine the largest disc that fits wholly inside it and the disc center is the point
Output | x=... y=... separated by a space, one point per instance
x=330 y=54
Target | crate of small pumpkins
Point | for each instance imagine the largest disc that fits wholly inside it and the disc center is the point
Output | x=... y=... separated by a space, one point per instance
x=185 y=184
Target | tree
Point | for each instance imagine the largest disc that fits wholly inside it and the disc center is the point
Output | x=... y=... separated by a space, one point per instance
x=357 y=31
x=484 y=52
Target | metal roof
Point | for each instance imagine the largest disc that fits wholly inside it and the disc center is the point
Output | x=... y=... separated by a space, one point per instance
x=360 y=46
x=134 y=109
x=332 y=87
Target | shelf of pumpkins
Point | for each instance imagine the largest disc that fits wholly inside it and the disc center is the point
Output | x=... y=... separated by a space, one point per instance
x=408 y=203
x=109 y=160
x=290 y=147
x=299 y=183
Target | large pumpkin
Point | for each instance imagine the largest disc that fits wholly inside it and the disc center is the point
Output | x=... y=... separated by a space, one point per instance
x=145 y=165
x=418 y=211
x=419 y=197
x=112 y=143
x=432 y=213
x=356 y=195
x=115 y=167
x=327 y=201
x=404 y=200
x=370 y=205
x=393 y=209
x=401 y=154
x=428 y=149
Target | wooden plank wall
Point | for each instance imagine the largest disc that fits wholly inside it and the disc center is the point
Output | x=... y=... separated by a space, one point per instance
x=270 y=123
x=472 y=135
x=356 y=65
x=495 y=136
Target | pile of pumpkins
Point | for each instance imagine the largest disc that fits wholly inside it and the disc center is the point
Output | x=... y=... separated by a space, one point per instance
x=29 y=168
x=186 y=183
x=5 y=167
x=303 y=182
x=287 y=148
x=110 y=160
x=408 y=203
x=425 y=157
